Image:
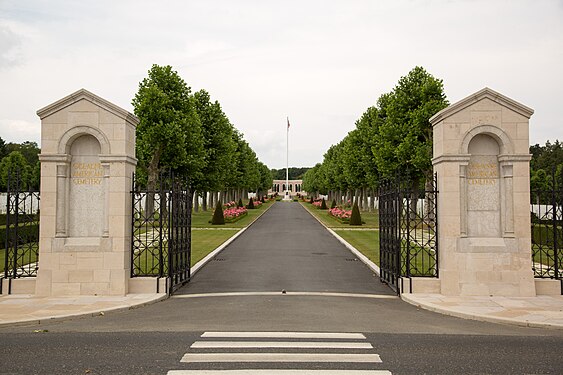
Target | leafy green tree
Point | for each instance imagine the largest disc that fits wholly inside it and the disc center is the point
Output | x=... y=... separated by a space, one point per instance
x=546 y=157
x=14 y=166
x=248 y=175
x=310 y=180
x=266 y=179
x=169 y=134
x=35 y=176
x=3 y=151
x=29 y=150
x=218 y=142
x=404 y=141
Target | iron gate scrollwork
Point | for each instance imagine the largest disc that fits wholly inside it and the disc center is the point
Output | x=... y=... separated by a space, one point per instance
x=161 y=231
x=22 y=229
x=408 y=231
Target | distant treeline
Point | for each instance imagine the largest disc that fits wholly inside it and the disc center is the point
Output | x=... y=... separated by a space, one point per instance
x=21 y=158
x=294 y=173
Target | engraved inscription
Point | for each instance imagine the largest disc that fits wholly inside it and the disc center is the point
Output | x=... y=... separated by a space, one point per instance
x=482 y=173
x=87 y=173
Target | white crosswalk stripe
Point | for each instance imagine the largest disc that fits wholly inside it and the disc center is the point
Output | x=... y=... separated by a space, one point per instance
x=281 y=344
x=281 y=349
x=279 y=357
x=283 y=335
x=279 y=372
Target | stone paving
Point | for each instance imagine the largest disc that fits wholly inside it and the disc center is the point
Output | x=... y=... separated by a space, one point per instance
x=540 y=311
x=28 y=309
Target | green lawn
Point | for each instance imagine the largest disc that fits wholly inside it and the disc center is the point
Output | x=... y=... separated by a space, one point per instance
x=371 y=219
x=205 y=241
x=366 y=241
x=202 y=219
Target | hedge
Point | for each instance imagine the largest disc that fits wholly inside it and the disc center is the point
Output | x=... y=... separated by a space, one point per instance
x=28 y=231
x=21 y=218
x=543 y=234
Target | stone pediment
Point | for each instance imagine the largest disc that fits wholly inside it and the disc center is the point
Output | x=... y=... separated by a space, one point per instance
x=485 y=93
x=84 y=94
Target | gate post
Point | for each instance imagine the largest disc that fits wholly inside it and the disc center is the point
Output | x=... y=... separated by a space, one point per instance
x=87 y=160
x=481 y=156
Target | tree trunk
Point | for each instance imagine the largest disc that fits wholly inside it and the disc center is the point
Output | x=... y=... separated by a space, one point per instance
x=204 y=202
x=152 y=180
x=212 y=199
x=196 y=202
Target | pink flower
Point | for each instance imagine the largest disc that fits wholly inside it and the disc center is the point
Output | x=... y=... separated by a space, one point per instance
x=340 y=213
x=234 y=212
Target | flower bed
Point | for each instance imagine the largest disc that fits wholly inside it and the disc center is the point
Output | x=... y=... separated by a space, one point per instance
x=340 y=214
x=233 y=214
x=230 y=204
x=317 y=204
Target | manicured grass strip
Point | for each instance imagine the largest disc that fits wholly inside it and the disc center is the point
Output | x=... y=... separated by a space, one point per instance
x=371 y=219
x=366 y=241
x=205 y=241
x=201 y=219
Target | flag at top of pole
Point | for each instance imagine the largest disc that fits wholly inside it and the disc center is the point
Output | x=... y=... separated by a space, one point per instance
x=288 y=123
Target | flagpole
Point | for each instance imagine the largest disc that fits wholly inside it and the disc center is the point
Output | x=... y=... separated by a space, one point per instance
x=287 y=160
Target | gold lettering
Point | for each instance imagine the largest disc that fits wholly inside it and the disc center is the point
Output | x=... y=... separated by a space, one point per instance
x=87 y=173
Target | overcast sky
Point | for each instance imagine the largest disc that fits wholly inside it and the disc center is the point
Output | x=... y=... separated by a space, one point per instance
x=322 y=63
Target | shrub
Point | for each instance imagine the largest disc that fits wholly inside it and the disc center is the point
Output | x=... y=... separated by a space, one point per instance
x=218 y=218
x=323 y=205
x=239 y=205
x=250 y=205
x=356 y=218
x=333 y=204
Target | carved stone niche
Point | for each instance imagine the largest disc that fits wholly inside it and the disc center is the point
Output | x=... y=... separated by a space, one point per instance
x=486 y=184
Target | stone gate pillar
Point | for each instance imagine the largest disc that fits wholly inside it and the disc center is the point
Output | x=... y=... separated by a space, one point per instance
x=481 y=156
x=87 y=161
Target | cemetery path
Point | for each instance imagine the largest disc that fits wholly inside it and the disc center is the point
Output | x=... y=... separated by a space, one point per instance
x=286 y=249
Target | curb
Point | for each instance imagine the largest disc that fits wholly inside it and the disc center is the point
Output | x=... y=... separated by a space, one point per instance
x=372 y=266
x=482 y=318
x=80 y=315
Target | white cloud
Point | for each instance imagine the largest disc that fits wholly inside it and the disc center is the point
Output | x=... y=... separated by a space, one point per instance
x=321 y=63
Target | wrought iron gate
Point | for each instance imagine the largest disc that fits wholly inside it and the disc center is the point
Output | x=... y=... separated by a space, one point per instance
x=408 y=231
x=546 y=208
x=22 y=230
x=161 y=231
